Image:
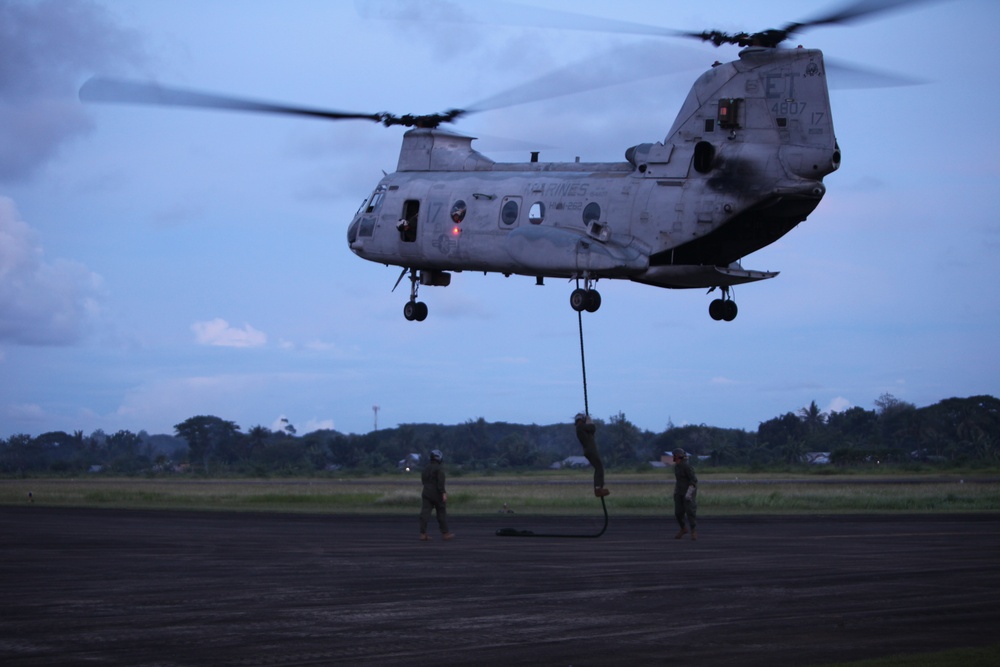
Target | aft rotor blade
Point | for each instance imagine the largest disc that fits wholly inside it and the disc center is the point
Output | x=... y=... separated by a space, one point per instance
x=846 y=76
x=117 y=91
x=610 y=68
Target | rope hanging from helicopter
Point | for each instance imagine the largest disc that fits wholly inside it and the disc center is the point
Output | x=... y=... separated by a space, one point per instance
x=513 y=532
x=583 y=366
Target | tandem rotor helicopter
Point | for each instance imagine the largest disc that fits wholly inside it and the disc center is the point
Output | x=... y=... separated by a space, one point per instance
x=742 y=165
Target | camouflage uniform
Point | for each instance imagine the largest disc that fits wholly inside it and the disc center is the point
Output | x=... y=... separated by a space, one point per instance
x=433 y=497
x=585 y=430
x=685 y=505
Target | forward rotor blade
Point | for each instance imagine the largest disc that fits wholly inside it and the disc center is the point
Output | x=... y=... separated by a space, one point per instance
x=855 y=10
x=101 y=89
x=501 y=12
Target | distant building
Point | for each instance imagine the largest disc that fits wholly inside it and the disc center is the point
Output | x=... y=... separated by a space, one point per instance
x=571 y=462
x=816 y=458
x=667 y=458
x=410 y=462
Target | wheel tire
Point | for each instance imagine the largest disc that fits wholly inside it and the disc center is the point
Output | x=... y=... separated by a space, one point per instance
x=578 y=300
x=410 y=310
x=716 y=309
x=729 y=311
x=420 y=312
x=593 y=301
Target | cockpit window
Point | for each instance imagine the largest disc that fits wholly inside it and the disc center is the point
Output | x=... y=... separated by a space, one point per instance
x=372 y=203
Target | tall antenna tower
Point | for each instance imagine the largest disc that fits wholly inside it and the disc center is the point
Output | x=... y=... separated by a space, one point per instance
x=375 y=410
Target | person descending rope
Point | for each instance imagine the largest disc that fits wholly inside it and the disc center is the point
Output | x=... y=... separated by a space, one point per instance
x=585 y=430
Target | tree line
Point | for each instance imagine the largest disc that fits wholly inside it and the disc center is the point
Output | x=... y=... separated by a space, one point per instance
x=955 y=431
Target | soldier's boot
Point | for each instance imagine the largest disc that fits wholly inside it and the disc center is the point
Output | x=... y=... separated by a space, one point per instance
x=424 y=537
x=683 y=531
x=600 y=491
x=694 y=534
x=447 y=536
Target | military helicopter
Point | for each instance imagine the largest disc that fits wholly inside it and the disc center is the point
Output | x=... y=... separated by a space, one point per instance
x=741 y=166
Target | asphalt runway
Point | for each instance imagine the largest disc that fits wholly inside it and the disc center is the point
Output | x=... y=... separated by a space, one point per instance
x=116 y=587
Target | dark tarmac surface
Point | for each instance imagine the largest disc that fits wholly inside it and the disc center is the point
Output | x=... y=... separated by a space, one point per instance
x=115 y=587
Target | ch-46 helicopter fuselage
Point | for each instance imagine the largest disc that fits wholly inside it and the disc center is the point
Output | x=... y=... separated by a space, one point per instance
x=742 y=165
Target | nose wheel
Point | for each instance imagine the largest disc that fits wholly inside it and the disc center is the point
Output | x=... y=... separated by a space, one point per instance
x=724 y=308
x=586 y=298
x=413 y=310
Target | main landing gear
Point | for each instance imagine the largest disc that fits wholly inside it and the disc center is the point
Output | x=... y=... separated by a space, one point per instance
x=724 y=308
x=586 y=298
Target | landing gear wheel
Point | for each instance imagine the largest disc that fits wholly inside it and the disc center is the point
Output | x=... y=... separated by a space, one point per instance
x=593 y=301
x=415 y=310
x=729 y=310
x=723 y=309
x=585 y=300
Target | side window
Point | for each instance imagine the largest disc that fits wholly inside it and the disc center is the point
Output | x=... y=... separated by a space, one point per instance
x=509 y=210
x=591 y=220
x=458 y=211
x=536 y=213
x=704 y=157
x=407 y=224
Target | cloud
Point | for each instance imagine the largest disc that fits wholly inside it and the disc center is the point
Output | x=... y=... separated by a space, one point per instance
x=838 y=404
x=25 y=412
x=46 y=50
x=281 y=424
x=41 y=302
x=315 y=424
x=218 y=332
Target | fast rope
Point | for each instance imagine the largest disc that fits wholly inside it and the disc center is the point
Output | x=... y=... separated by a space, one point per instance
x=513 y=532
x=583 y=365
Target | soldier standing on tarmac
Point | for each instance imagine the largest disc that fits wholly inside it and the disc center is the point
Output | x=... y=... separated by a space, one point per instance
x=434 y=497
x=685 y=494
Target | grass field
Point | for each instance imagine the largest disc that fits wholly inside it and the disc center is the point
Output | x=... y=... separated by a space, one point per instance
x=563 y=492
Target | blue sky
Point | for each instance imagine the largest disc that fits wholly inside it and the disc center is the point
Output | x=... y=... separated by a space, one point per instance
x=157 y=264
